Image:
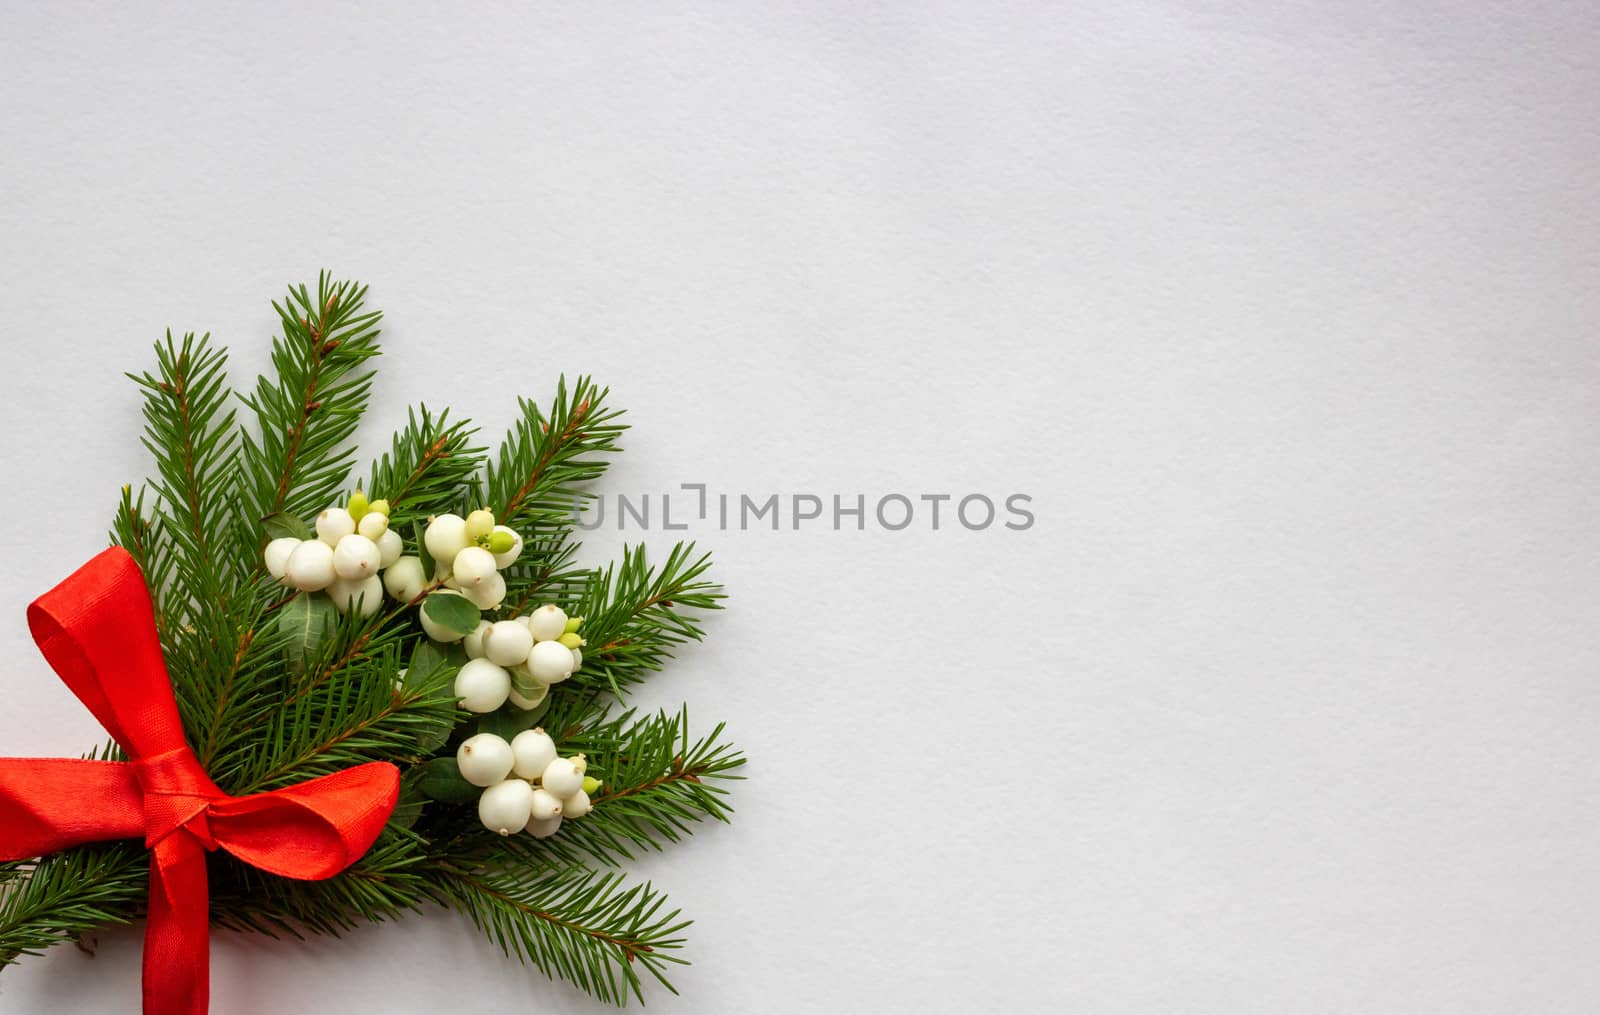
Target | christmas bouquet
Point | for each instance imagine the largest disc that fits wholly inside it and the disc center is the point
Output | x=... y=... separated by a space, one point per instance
x=335 y=699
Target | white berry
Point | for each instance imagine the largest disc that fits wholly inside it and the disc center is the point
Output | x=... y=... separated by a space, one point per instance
x=355 y=556
x=445 y=537
x=547 y=623
x=576 y=805
x=506 y=806
x=350 y=593
x=577 y=659
x=472 y=567
x=482 y=686
x=543 y=828
x=506 y=558
x=473 y=642
x=479 y=524
x=484 y=759
x=488 y=595
x=334 y=524
x=532 y=751
x=550 y=662
x=372 y=525
x=310 y=566
x=564 y=776
x=507 y=643
x=276 y=555
x=390 y=547
x=404 y=579
x=545 y=804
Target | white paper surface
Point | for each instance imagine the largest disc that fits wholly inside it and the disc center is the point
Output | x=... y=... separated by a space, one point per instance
x=1282 y=314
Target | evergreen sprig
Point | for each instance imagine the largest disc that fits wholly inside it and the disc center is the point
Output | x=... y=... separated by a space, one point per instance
x=59 y=897
x=396 y=876
x=275 y=688
x=428 y=465
x=539 y=477
x=306 y=412
x=189 y=430
x=590 y=928
x=636 y=614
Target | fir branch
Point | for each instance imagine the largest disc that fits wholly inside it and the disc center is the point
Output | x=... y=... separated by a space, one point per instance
x=372 y=715
x=227 y=680
x=586 y=927
x=657 y=784
x=57 y=898
x=307 y=414
x=546 y=573
x=190 y=432
x=361 y=640
x=426 y=467
x=537 y=479
x=143 y=537
x=392 y=878
x=635 y=615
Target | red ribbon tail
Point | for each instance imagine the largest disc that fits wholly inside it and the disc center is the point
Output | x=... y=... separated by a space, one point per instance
x=51 y=804
x=177 y=952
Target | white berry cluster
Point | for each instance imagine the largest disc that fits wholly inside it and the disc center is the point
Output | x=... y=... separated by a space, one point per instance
x=527 y=785
x=468 y=554
x=353 y=545
x=516 y=659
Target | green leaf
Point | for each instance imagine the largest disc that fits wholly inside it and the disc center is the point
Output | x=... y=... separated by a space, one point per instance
x=441 y=780
x=305 y=621
x=409 y=807
x=426 y=658
x=452 y=611
x=509 y=720
x=282 y=525
x=523 y=683
x=430 y=665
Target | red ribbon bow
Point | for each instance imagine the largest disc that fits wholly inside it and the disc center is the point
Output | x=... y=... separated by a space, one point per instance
x=98 y=632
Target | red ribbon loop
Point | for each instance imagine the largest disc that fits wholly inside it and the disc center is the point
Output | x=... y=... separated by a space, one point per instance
x=98 y=632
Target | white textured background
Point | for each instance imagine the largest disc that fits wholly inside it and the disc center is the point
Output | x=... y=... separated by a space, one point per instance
x=1283 y=313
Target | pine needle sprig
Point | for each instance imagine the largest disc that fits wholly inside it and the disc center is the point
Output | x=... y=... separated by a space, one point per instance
x=394 y=877
x=225 y=677
x=590 y=928
x=189 y=429
x=428 y=464
x=144 y=537
x=636 y=614
x=55 y=899
x=537 y=481
x=374 y=716
x=299 y=460
x=546 y=573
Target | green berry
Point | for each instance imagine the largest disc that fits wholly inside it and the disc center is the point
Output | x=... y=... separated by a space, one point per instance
x=500 y=542
x=357 y=505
